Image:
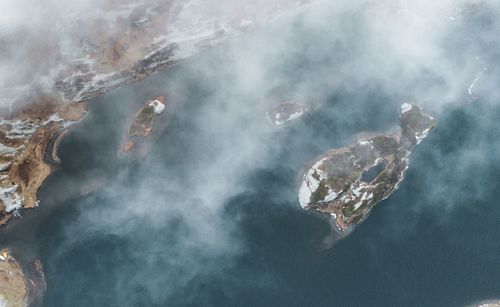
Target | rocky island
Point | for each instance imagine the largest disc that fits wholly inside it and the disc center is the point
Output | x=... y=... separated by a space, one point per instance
x=348 y=182
x=142 y=124
x=284 y=112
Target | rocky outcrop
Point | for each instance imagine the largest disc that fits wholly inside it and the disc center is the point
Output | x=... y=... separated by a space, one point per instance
x=118 y=43
x=348 y=182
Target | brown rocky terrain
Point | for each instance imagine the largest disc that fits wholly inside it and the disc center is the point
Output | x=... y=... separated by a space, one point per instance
x=113 y=44
x=24 y=140
x=13 y=283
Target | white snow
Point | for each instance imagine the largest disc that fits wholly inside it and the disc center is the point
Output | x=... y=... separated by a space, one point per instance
x=280 y=120
x=158 y=106
x=53 y=118
x=365 y=196
x=357 y=190
x=332 y=195
x=405 y=107
x=310 y=184
x=421 y=135
x=305 y=193
x=5 y=150
x=20 y=129
x=357 y=205
x=295 y=115
x=474 y=82
x=5 y=166
x=10 y=198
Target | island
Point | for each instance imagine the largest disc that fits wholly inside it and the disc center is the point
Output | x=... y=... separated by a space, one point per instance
x=142 y=125
x=347 y=183
x=285 y=111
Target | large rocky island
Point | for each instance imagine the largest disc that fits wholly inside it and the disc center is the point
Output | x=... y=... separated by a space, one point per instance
x=348 y=182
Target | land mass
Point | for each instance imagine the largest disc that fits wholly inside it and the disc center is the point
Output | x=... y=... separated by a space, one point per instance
x=28 y=146
x=18 y=289
x=140 y=39
x=348 y=182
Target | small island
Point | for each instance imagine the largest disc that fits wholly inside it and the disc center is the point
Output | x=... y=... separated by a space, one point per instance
x=142 y=124
x=284 y=112
x=348 y=182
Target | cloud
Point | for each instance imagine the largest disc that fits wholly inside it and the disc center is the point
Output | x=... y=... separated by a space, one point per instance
x=172 y=209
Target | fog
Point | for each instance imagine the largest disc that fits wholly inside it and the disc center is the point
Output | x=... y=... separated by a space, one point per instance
x=172 y=209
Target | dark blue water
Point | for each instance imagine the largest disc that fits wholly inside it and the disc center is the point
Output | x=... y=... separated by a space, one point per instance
x=422 y=247
x=435 y=242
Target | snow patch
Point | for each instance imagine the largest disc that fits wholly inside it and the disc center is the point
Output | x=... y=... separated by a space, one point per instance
x=5 y=166
x=405 y=107
x=10 y=198
x=332 y=195
x=357 y=205
x=53 y=118
x=310 y=184
x=357 y=191
x=158 y=106
x=6 y=151
x=421 y=135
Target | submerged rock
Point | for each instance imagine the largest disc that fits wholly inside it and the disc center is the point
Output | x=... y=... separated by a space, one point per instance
x=349 y=181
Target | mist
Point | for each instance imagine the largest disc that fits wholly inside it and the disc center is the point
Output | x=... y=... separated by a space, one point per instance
x=173 y=209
